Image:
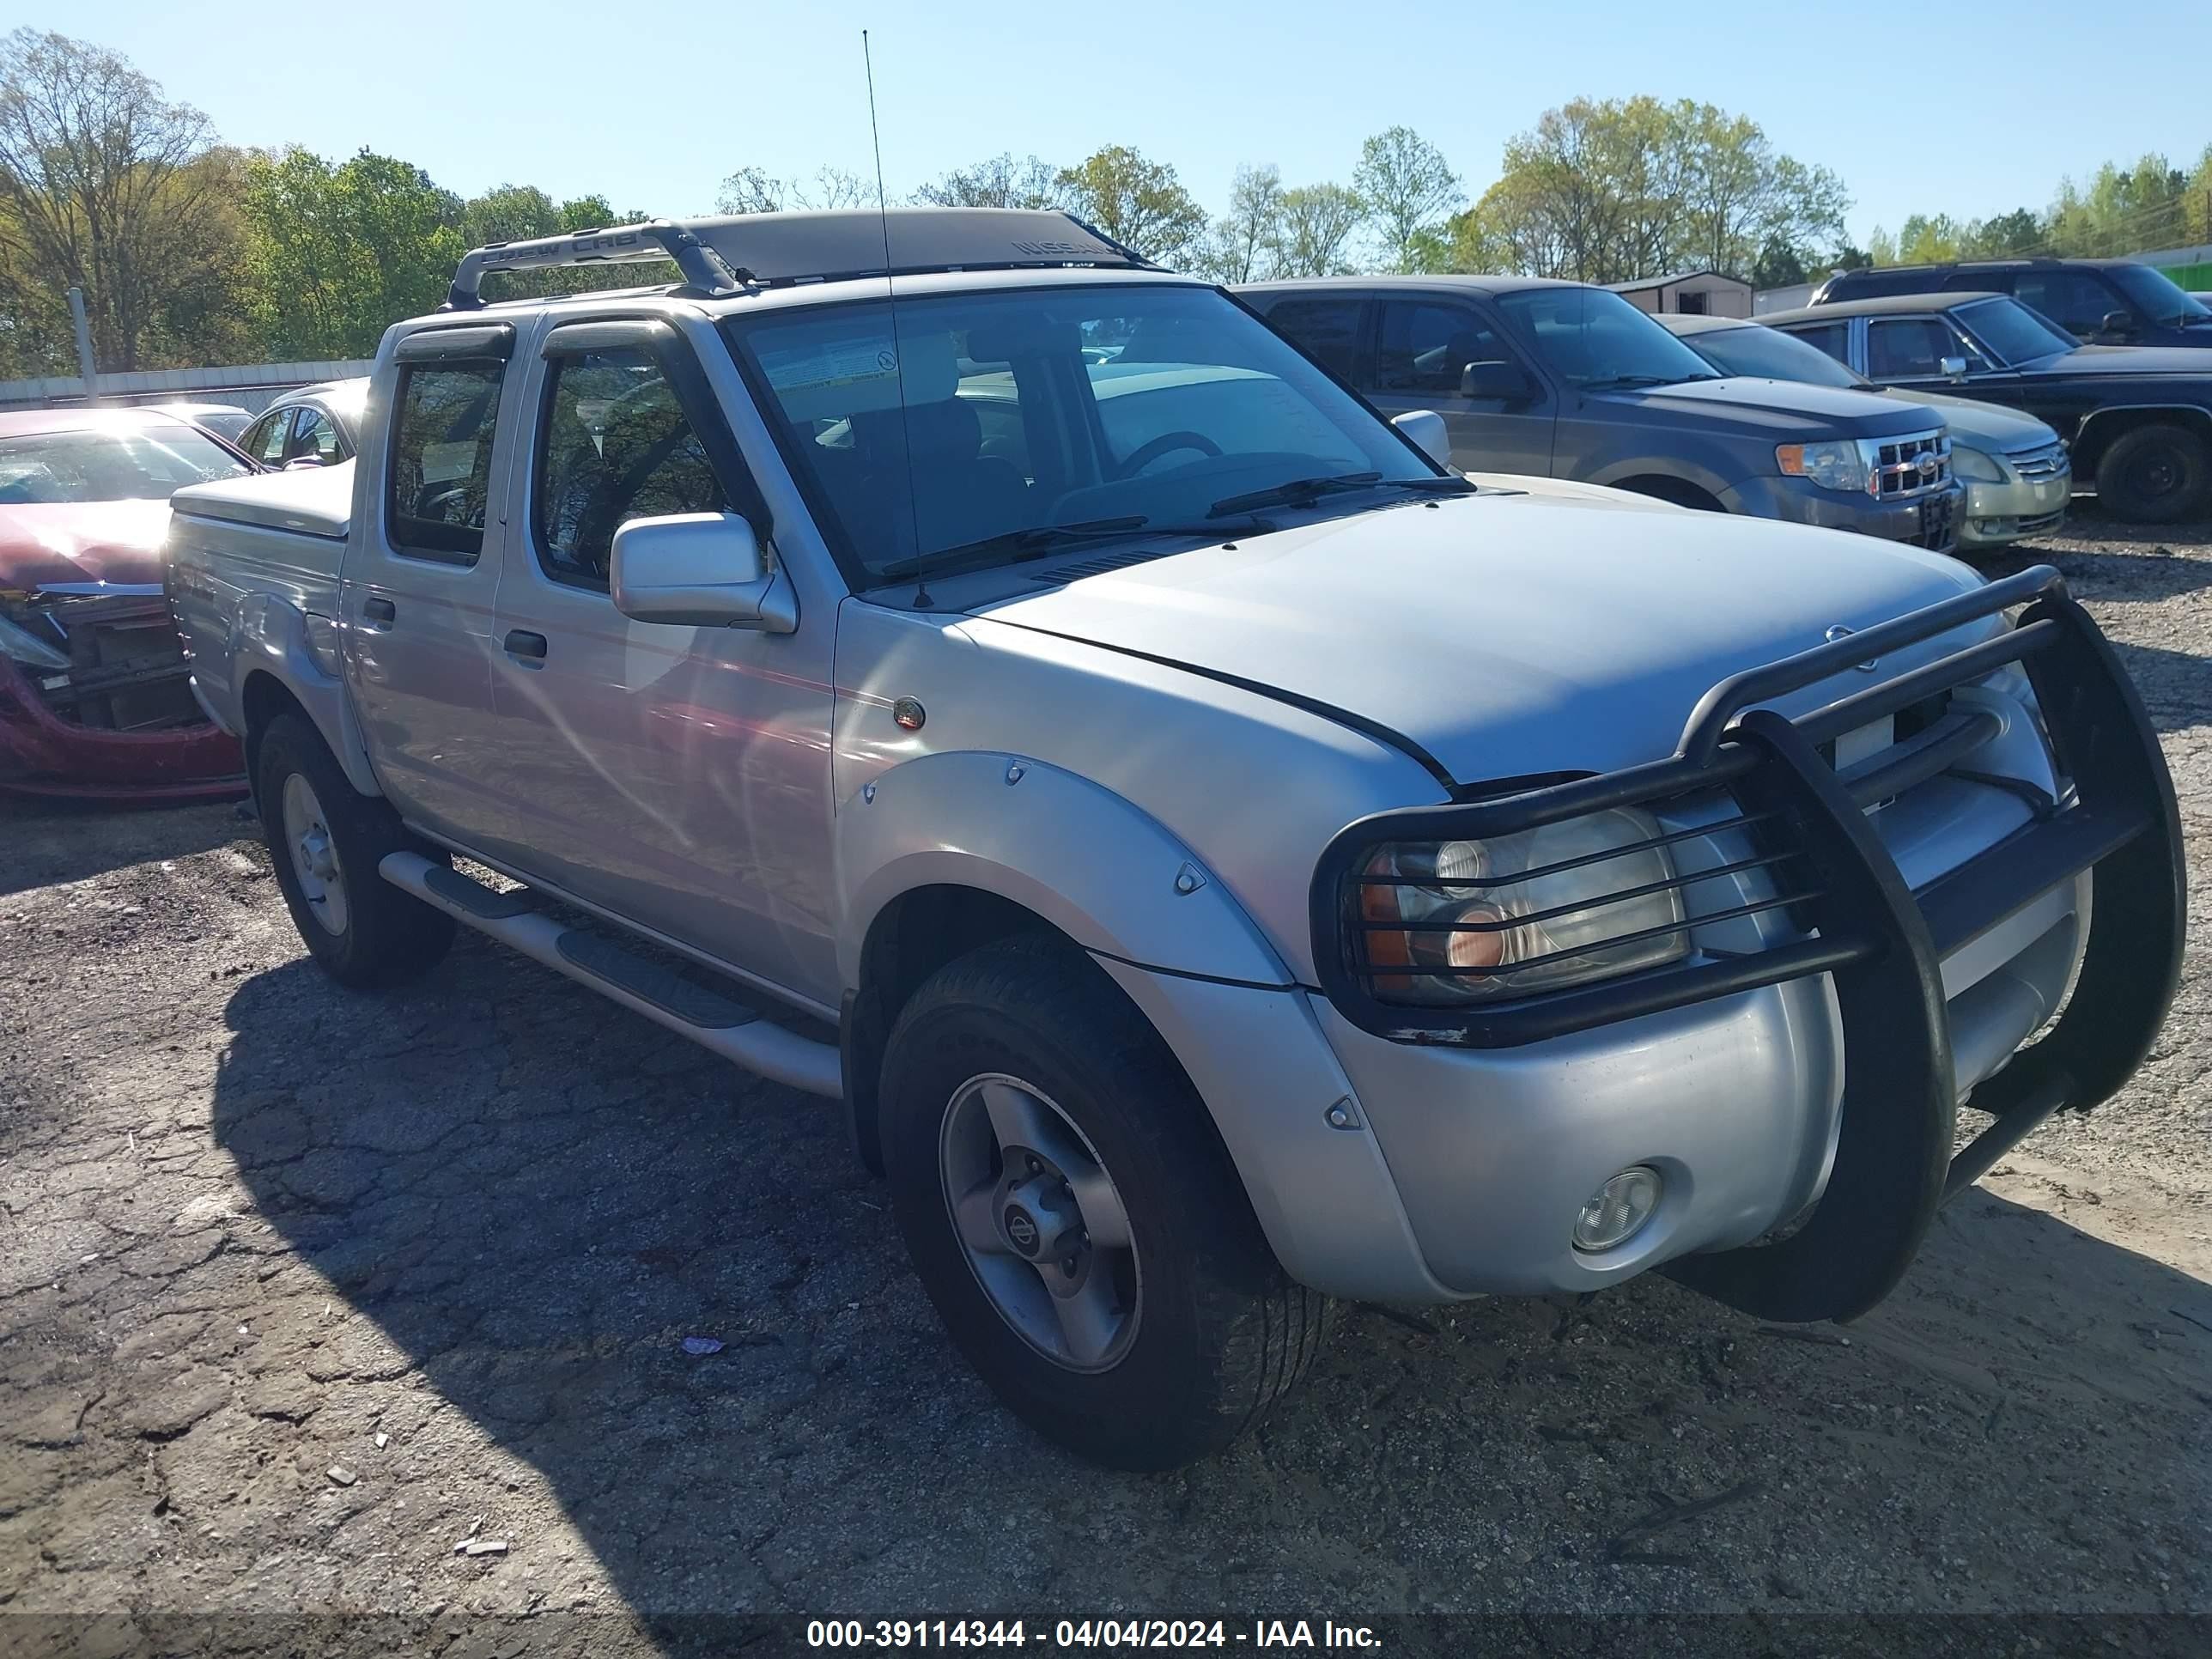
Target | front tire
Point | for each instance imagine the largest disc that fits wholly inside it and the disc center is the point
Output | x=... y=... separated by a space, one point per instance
x=2154 y=475
x=1075 y=1218
x=326 y=840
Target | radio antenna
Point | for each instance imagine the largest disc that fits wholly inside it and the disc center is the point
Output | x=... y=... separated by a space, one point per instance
x=922 y=599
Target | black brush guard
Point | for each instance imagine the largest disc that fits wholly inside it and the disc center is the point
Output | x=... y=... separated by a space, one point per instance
x=1883 y=944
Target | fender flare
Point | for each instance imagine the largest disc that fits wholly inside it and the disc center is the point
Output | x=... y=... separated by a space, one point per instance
x=1670 y=467
x=269 y=636
x=1095 y=865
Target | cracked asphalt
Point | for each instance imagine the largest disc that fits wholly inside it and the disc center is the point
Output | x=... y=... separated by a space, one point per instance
x=314 y=1303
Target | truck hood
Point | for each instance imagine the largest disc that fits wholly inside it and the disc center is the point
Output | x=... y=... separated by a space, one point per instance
x=1787 y=411
x=1506 y=634
x=2129 y=360
x=47 y=543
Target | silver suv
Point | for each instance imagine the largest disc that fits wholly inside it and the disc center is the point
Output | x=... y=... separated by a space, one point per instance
x=1221 y=860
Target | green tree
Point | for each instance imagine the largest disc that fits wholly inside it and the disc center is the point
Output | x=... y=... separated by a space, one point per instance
x=1777 y=266
x=1000 y=182
x=2007 y=236
x=1411 y=191
x=1622 y=188
x=107 y=186
x=338 y=254
x=1138 y=202
x=1240 y=246
x=1317 y=224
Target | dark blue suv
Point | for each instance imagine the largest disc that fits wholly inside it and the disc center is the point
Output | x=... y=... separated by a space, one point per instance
x=2098 y=301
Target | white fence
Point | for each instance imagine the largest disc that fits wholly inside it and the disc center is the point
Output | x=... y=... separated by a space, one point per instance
x=252 y=386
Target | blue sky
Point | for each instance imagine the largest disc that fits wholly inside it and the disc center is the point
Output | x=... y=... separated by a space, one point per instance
x=1973 y=109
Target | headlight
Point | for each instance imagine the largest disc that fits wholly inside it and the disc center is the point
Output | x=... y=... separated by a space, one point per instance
x=20 y=645
x=1462 y=921
x=1974 y=464
x=1838 y=464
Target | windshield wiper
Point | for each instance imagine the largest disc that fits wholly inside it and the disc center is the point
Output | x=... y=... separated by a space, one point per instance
x=1301 y=492
x=1036 y=541
x=1630 y=382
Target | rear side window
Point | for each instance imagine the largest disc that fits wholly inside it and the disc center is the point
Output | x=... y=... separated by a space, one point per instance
x=616 y=446
x=1834 y=338
x=444 y=417
x=1325 y=329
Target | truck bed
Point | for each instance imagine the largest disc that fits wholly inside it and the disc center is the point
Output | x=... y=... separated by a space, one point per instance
x=244 y=553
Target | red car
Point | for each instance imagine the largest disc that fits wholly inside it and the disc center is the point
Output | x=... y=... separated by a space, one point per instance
x=95 y=701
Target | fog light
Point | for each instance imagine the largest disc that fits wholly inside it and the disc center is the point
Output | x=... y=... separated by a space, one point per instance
x=1612 y=1214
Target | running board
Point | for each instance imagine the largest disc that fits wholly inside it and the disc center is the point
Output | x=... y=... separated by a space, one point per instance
x=714 y=1022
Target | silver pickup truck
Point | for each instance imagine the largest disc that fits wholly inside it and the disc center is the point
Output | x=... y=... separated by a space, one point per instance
x=1222 y=860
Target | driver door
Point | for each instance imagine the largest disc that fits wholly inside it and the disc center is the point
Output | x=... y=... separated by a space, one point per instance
x=676 y=775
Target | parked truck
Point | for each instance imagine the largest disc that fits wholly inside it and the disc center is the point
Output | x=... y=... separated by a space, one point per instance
x=1220 y=859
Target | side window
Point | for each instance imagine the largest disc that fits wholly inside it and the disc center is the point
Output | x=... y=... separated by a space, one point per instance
x=2074 y=299
x=265 y=439
x=443 y=421
x=1834 y=338
x=1327 y=329
x=1424 y=347
x=615 y=445
x=1906 y=348
x=319 y=437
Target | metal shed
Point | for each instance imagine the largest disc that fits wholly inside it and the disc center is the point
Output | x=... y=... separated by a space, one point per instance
x=1692 y=292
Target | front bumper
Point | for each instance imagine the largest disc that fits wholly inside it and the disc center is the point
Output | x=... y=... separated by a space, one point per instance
x=1997 y=514
x=1821 y=1062
x=1930 y=520
x=42 y=754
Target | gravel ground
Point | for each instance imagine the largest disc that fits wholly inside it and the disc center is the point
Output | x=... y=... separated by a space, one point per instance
x=302 y=1293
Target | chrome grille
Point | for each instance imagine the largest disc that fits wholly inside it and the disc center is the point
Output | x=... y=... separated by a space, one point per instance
x=2037 y=464
x=1911 y=466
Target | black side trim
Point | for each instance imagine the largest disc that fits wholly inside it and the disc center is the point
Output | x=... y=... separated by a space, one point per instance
x=1327 y=711
x=666 y=989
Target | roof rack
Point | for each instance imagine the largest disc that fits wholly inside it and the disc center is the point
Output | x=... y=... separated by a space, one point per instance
x=723 y=255
x=704 y=270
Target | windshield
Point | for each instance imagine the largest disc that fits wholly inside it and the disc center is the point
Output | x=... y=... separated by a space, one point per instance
x=2016 y=334
x=121 y=464
x=2159 y=294
x=1767 y=354
x=1593 y=338
x=1028 y=417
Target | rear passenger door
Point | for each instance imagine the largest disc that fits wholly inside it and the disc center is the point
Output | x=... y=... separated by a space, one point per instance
x=677 y=775
x=1424 y=346
x=419 y=579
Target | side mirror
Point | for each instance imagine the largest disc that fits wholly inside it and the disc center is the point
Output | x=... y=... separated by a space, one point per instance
x=1499 y=382
x=2117 y=322
x=699 y=571
x=1951 y=369
x=1426 y=428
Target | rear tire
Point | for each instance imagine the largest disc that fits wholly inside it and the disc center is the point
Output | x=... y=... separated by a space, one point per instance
x=1197 y=1330
x=2154 y=475
x=326 y=840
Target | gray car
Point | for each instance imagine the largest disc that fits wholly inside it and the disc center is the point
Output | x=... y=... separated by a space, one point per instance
x=310 y=426
x=2017 y=477
x=1564 y=381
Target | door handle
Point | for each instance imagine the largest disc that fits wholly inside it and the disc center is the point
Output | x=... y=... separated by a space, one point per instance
x=378 y=613
x=521 y=642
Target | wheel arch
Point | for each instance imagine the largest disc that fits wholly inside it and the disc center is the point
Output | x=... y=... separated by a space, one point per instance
x=2100 y=427
x=277 y=670
x=945 y=854
x=1670 y=487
